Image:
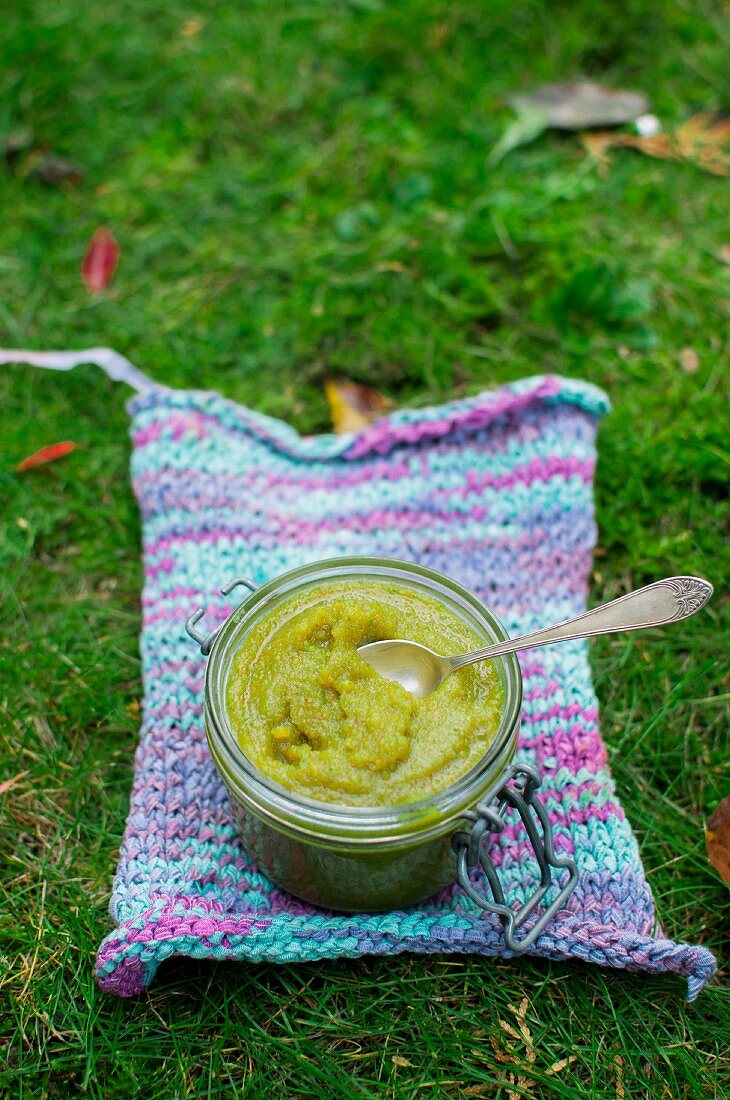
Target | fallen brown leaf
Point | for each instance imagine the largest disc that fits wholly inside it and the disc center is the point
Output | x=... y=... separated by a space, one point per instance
x=52 y=169
x=577 y=105
x=597 y=144
x=703 y=140
x=717 y=838
x=45 y=455
x=353 y=406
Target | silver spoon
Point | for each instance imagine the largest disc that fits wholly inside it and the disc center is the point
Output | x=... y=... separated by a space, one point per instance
x=420 y=670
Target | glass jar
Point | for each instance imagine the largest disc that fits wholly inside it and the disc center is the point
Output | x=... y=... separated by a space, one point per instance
x=369 y=859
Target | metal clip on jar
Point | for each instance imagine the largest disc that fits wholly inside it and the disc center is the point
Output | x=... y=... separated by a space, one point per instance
x=370 y=859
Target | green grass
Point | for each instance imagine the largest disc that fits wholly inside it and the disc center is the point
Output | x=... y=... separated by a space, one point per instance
x=302 y=189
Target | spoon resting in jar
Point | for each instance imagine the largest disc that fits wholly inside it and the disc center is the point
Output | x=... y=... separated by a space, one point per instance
x=420 y=670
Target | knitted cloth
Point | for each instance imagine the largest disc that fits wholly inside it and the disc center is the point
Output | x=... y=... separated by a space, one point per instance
x=494 y=491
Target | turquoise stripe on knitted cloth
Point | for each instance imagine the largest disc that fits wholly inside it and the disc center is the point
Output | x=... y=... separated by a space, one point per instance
x=495 y=491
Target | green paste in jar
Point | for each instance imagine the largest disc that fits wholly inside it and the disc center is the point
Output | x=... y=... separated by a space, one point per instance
x=312 y=715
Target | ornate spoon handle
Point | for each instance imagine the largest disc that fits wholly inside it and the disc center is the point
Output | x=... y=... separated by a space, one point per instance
x=663 y=602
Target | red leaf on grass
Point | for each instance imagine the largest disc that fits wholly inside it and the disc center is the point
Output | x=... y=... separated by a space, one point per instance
x=46 y=454
x=100 y=260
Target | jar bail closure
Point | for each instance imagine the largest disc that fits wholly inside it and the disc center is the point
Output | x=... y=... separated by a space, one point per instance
x=515 y=790
x=205 y=641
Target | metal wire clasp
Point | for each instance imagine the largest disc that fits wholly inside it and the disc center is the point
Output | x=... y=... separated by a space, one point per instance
x=516 y=789
x=205 y=641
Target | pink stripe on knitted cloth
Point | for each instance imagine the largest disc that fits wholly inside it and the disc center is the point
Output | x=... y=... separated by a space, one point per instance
x=305 y=533
x=572 y=747
x=177 y=592
x=572 y=710
x=537 y=470
x=385 y=434
x=168 y=926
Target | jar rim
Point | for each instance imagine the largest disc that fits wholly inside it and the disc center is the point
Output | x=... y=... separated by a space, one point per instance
x=296 y=813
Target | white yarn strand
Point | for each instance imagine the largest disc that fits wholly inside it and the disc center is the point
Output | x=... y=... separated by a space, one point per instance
x=114 y=365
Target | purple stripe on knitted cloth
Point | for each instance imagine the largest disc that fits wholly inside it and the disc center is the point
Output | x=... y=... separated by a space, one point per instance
x=495 y=491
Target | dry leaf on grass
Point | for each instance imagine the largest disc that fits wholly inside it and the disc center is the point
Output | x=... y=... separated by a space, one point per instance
x=52 y=169
x=580 y=104
x=31 y=163
x=568 y=105
x=353 y=406
x=45 y=455
x=100 y=260
x=703 y=140
x=717 y=837
x=597 y=144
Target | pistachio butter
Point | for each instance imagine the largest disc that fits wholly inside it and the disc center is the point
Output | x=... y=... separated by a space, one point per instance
x=312 y=715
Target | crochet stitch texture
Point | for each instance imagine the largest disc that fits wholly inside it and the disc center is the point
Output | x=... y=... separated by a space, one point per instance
x=495 y=491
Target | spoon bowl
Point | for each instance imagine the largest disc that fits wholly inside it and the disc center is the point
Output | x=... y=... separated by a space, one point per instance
x=413 y=666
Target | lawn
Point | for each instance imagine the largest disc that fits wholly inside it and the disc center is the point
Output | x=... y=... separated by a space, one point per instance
x=300 y=190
